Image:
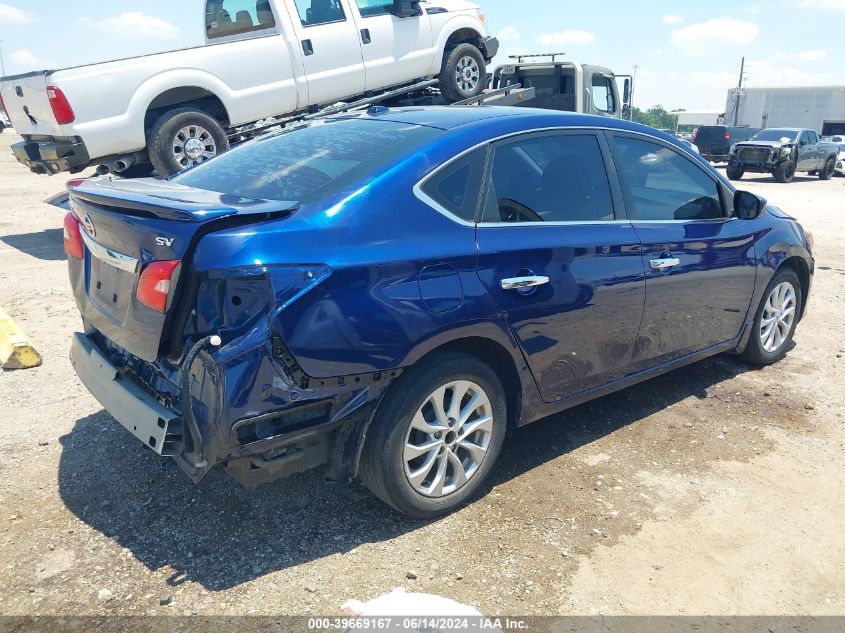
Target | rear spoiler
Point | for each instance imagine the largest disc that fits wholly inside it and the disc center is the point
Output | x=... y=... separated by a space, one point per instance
x=167 y=200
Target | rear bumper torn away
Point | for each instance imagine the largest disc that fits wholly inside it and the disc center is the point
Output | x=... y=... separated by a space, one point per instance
x=324 y=422
x=137 y=411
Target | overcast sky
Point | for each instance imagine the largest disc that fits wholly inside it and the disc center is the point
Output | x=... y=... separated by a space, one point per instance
x=689 y=54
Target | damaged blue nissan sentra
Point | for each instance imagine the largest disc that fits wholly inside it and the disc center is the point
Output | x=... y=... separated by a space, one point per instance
x=389 y=293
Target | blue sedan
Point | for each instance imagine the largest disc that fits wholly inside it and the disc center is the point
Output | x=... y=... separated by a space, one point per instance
x=389 y=293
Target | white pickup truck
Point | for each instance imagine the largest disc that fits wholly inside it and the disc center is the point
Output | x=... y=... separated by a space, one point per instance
x=261 y=58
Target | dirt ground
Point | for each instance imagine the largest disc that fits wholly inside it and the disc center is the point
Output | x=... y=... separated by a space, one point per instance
x=716 y=489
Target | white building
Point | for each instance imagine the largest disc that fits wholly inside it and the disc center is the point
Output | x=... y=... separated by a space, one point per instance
x=820 y=108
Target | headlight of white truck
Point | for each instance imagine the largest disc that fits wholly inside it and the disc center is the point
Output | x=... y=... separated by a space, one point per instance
x=785 y=151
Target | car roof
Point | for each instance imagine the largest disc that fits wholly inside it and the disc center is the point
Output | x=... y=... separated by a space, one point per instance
x=453 y=117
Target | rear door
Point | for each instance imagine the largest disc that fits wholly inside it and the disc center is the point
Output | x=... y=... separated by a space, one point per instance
x=560 y=261
x=395 y=50
x=699 y=260
x=330 y=46
x=28 y=105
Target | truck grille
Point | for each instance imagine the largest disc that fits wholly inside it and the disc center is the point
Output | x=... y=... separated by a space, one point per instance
x=754 y=154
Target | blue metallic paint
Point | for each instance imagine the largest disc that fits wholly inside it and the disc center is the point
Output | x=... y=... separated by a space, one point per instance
x=403 y=280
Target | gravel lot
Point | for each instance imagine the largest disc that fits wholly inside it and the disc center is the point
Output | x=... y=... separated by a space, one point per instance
x=717 y=489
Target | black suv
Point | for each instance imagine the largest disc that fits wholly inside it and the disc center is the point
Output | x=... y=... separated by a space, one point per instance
x=715 y=141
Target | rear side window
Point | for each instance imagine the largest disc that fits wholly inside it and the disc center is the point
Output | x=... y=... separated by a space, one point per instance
x=554 y=178
x=313 y=12
x=663 y=185
x=236 y=17
x=306 y=164
x=455 y=188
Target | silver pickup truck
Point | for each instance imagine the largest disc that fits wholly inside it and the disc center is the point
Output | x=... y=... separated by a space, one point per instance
x=782 y=152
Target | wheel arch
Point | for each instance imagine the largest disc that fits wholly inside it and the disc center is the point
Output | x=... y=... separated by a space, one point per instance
x=185 y=96
x=800 y=267
x=457 y=30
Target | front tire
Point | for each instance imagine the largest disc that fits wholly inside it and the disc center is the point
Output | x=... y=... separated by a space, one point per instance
x=827 y=171
x=776 y=319
x=785 y=172
x=436 y=436
x=735 y=173
x=183 y=138
x=464 y=73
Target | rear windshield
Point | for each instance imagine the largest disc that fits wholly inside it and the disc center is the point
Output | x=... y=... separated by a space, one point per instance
x=776 y=135
x=717 y=133
x=308 y=163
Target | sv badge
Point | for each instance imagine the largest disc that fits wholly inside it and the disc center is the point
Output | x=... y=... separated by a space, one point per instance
x=165 y=241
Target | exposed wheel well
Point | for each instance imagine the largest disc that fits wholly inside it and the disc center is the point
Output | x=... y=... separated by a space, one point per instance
x=499 y=359
x=801 y=269
x=460 y=36
x=193 y=97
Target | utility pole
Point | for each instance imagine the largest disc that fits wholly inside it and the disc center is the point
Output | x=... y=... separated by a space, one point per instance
x=739 y=92
x=633 y=88
x=2 y=65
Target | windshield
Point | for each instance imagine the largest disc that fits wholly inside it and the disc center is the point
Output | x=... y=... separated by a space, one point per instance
x=308 y=163
x=842 y=147
x=786 y=136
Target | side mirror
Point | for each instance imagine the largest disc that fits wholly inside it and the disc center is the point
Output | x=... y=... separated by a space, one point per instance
x=407 y=8
x=626 y=93
x=748 y=206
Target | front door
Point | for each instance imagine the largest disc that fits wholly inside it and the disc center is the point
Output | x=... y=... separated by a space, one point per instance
x=396 y=50
x=699 y=260
x=559 y=262
x=330 y=49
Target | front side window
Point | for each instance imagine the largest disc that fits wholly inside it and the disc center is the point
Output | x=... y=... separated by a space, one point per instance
x=310 y=163
x=455 y=188
x=663 y=185
x=236 y=17
x=313 y=12
x=603 y=96
x=555 y=178
x=370 y=8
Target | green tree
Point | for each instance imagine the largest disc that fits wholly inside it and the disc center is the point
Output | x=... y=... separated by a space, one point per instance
x=658 y=117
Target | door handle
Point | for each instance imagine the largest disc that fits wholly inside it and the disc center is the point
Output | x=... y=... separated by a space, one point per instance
x=518 y=283
x=666 y=263
x=307 y=47
x=365 y=36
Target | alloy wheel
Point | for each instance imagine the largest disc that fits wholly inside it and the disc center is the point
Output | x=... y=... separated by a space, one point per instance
x=192 y=145
x=468 y=74
x=778 y=317
x=448 y=439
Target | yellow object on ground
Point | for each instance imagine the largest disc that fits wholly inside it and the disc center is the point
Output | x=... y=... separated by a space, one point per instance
x=16 y=352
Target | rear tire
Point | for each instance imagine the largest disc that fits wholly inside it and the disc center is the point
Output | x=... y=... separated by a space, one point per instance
x=785 y=172
x=827 y=171
x=183 y=138
x=433 y=481
x=464 y=73
x=734 y=173
x=773 y=311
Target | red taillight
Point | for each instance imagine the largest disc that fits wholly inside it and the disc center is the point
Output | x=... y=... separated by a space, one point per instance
x=73 y=237
x=694 y=135
x=2 y=105
x=154 y=285
x=61 y=106
x=727 y=136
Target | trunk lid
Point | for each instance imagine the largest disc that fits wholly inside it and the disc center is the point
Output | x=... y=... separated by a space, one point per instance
x=126 y=226
x=28 y=106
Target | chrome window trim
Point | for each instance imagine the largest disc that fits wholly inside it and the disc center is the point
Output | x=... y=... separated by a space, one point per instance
x=428 y=201
x=113 y=258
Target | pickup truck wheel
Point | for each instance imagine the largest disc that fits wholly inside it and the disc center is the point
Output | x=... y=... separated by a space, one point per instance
x=464 y=73
x=776 y=319
x=827 y=171
x=183 y=138
x=436 y=436
x=785 y=172
x=735 y=173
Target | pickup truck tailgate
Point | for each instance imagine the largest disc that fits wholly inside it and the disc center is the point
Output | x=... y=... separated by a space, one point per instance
x=28 y=106
x=127 y=225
